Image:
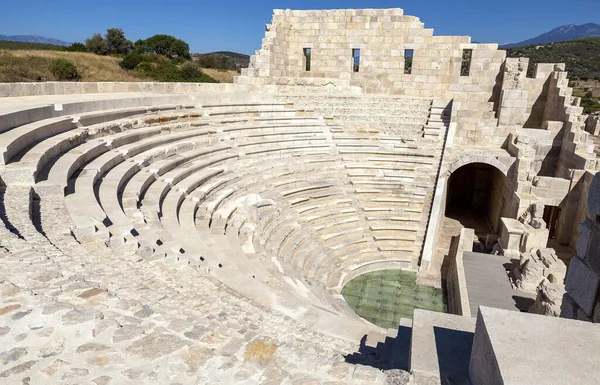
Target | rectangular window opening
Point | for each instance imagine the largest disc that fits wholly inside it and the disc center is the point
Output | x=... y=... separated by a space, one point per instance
x=465 y=67
x=355 y=60
x=531 y=69
x=307 y=54
x=408 y=61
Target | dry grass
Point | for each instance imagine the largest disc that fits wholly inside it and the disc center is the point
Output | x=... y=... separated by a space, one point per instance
x=222 y=76
x=32 y=66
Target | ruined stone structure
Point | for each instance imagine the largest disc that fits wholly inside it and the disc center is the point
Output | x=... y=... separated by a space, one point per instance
x=202 y=233
x=583 y=281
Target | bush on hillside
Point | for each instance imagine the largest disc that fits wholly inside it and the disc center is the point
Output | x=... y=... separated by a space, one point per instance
x=165 y=45
x=131 y=61
x=63 y=69
x=76 y=47
x=191 y=72
x=161 y=69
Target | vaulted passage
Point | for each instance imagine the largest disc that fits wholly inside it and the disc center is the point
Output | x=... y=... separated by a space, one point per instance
x=476 y=197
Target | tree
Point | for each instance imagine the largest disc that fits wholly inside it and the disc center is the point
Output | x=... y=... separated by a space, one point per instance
x=77 y=47
x=165 y=45
x=116 y=43
x=97 y=44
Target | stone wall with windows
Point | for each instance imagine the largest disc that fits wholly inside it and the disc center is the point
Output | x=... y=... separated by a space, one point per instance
x=318 y=50
x=383 y=37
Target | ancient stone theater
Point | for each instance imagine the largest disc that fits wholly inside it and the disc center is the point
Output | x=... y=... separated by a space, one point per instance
x=367 y=203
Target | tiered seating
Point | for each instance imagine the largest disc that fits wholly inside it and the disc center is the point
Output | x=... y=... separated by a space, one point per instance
x=271 y=200
x=403 y=117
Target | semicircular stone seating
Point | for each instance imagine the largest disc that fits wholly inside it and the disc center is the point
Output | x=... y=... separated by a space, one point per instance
x=278 y=204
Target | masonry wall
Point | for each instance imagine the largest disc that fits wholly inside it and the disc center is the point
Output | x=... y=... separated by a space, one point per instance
x=495 y=97
x=582 y=300
x=382 y=36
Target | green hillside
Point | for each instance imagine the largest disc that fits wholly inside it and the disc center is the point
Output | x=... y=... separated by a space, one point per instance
x=582 y=59
x=581 y=56
x=15 y=45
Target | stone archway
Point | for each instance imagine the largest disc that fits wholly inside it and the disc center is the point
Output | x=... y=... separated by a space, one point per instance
x=477 y=194
x=503 y=168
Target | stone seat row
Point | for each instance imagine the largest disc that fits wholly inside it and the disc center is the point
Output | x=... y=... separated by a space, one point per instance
x=177 y=191
x=204 y=214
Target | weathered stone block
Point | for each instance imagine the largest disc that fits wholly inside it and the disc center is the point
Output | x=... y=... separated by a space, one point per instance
x=594 y=199
x=582 y=285
x=568 y=308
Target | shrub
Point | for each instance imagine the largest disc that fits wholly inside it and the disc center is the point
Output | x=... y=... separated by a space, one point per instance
x=190 y=72
x=77 y=47
x=159 y=68
x=63 y=69
x=131 y=61
x=166 y=45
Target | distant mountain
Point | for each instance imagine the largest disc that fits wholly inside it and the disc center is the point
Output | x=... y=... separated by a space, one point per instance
x=566 y=32
x=34 y=39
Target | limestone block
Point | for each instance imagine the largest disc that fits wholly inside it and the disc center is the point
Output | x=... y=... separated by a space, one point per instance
x=549 y=299
x=594 y=199
x=582 y=285
x=583 y=242
x=568 y=308
x=593 y=252
x=536 y=267
x=534 y=239
x=510 y=234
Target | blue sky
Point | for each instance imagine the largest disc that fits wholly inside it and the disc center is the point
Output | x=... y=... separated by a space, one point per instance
x=239 y=25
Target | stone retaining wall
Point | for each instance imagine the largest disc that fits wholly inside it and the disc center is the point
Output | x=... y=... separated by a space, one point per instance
x=583 y=279
x=67 y=88
x=456 y=284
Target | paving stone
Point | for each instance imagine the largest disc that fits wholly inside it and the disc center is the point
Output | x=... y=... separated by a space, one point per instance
x=20 y=315
x=9 y=308
x=8 y=289
x=36 y=326
x=91 y=293
x=127 y=333
x=197 y=332
x=102 y=380
x=195 y=357
x=52 y=348
x=145 y=312
x=80 y=315
x=260 y=352
x=156 y=345
x=104 y=325
x=75 y=373
x=100 y=361
x=92 y=347
x=56 y=307
x=179 y=325
x=55 y=367
x=18 y=369
x=14 y=354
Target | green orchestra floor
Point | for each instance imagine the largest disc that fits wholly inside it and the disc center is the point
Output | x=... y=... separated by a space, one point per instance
x=384 y=297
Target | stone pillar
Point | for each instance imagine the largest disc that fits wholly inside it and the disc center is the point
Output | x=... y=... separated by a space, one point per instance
x=583 y=280
x=510 y=237
x=513 y=99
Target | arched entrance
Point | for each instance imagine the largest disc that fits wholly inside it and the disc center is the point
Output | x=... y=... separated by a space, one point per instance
x=476 y=197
